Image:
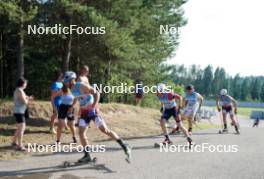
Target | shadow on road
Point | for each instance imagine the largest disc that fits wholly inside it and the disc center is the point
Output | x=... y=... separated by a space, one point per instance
x=206 y=133
x=132 y=138
x=54 y=169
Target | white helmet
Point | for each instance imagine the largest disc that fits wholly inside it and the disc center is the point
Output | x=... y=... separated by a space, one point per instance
x=161 y=88
x=223 y=92
x=69 y=75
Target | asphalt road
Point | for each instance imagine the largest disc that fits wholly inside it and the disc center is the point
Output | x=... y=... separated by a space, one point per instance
x=149 y=163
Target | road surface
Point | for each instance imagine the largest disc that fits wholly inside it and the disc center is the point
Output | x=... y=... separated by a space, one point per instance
x=149 y=163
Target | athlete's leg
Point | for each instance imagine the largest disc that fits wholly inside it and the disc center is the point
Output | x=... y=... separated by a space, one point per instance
x=71 y=125
x=234 y=121
x=20 y=133
x=52 y=119
x=15 y=138
x=163 y=122
x=183 y=129
x=163 y=125
x=61 y=126
x=188 y=117
x=176 y=129
x=104 y=129
x=224 y=119
x=192 y=115
x=82 y=134
x=179 y=124
x=190 y=123
x=53 y=116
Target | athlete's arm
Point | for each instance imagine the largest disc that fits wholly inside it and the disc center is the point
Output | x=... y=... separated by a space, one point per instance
x=179 y=100
x=87 y=89
x=234 y=103
x=54 y=94
x=200 y=98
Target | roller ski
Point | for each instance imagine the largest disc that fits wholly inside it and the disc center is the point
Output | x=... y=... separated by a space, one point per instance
x=237 y=132
x=190 y=143
x=164 y=143
x=237 y=129
x=82 y=161
x=224 y=131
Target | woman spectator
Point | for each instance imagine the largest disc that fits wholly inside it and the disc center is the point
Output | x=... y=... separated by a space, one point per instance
x=21 y=101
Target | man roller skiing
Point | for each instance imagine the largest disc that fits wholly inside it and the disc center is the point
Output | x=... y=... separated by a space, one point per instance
x=170 y=108
x=193 y=102
x=88 y=99
x=229 y=106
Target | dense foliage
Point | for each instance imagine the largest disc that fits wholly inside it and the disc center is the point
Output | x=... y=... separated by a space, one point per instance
x=209 y=82
x=132 y=49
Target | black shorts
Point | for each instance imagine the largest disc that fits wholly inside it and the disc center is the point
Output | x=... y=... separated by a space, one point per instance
x=63 y=112
x=20 y=118
x=88 y=118
x=227 y=109
x=170 y=112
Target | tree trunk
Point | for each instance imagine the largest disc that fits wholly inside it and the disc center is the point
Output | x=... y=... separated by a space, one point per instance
x=1 y=66
x=107 y=74
x=20 y=54
x=67 y=49
x=67 y=53
x=78 y=63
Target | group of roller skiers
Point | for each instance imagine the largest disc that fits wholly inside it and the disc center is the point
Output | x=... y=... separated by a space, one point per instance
x=70 y=90
x=172 y=104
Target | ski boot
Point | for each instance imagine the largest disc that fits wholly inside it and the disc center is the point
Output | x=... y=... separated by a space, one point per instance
x=128 y=152
x=224 y=131
x=167 y=142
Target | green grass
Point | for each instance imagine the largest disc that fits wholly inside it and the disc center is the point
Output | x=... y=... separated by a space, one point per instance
x=245 y=111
